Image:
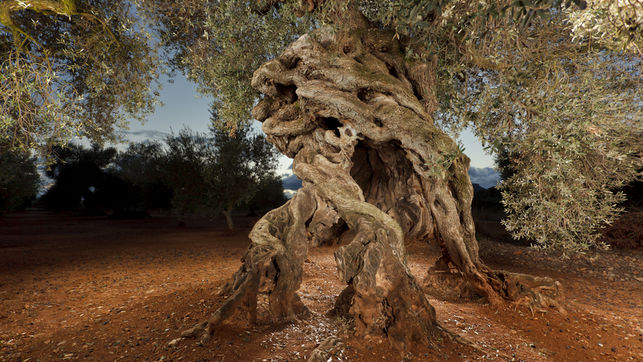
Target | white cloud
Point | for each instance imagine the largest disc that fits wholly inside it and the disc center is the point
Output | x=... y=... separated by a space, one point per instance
x=486 y=177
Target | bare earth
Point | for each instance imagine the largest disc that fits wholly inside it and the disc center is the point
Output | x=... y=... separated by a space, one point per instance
x=83 y=288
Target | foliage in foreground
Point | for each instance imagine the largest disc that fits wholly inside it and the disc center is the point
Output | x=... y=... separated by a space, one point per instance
x=72 y=68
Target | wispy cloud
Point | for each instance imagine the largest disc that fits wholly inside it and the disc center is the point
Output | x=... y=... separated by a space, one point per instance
x=486 y=177
x=289 y=193
x=148 y=134
x=291 y=182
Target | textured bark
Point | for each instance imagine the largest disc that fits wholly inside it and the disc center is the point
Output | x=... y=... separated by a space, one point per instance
x=273 y=263
x=356 y=118
x=228 y=218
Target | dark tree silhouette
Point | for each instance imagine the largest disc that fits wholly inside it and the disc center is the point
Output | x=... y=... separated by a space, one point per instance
x=80 y=179
x=144 y=165
x=269 y=195
x=19 y=179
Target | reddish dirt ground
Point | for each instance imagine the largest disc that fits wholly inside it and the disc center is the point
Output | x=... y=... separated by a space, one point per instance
x=81 y=288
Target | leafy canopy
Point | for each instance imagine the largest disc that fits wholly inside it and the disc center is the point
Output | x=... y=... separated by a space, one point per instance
x=555 y=83
x=72 y=68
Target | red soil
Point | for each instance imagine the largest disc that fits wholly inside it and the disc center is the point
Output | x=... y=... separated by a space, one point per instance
x=97 y=289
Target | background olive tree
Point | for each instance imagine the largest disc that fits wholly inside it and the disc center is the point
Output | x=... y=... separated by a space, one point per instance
x=243 y=166
x=191 y=173
x=143 y=165
x=81 y=180
x=216 y=173
x=187 y=159
x=19 y=179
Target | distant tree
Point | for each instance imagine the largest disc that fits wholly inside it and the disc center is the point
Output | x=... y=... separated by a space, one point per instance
x=243 y=163
x=19 y=179
x=100 y=180
x=215 y=173
x=269 y=195
x=117 y=197
x=188 y=156
x=144 y=166
x=79 y=178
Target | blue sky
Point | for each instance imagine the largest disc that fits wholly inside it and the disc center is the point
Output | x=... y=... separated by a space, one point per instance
x=184 y=106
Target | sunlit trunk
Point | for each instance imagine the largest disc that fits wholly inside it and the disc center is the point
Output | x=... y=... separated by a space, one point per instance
x=355 y=115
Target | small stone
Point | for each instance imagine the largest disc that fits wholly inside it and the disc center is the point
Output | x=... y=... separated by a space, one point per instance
x=174 y=342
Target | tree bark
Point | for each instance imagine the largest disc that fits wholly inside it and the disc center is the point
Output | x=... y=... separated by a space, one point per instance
x=273 y=263
x=227 y=213
x=355 y=116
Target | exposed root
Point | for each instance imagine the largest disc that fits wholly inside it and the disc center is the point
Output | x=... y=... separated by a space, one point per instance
x=200 y=330
x=537 y=293
x=449 y=285
x=272 y=264
x=326 y=349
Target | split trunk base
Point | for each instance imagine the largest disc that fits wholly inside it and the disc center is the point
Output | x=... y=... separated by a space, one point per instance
x=355 y=115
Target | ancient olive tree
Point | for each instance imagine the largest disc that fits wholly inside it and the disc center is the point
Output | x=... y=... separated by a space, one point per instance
x=358 y=94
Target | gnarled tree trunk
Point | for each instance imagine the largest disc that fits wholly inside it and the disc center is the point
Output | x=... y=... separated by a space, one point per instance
x=356 y=117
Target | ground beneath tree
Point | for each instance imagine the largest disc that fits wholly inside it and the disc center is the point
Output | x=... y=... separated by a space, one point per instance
x=83 y=288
